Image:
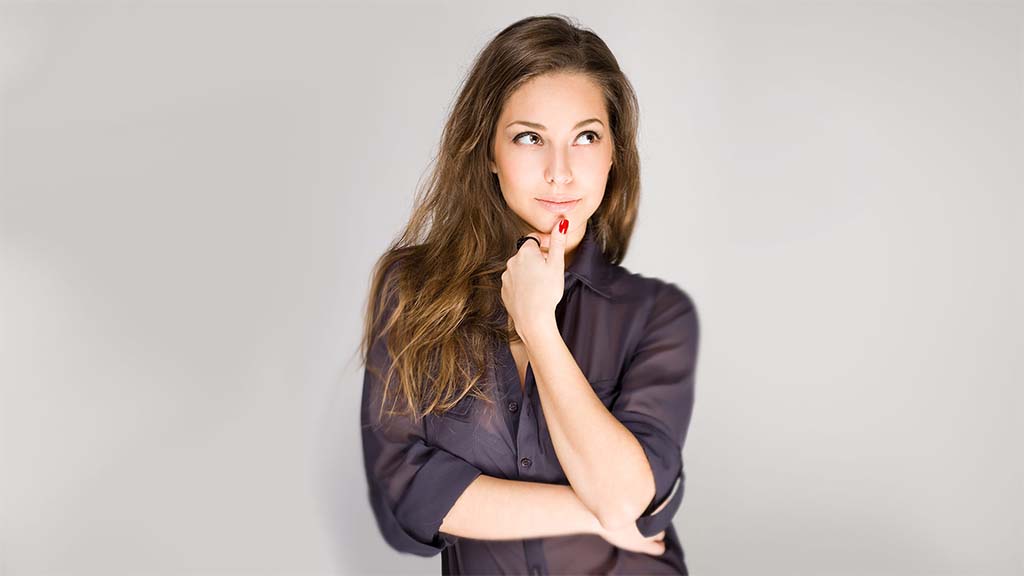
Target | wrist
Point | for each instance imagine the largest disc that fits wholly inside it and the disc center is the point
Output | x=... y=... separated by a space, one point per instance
x=538 y=329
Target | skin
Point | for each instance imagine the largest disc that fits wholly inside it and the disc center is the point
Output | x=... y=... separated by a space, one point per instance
x=574 y=160
x=499 y=509
x=558 y=160
x=566 y=158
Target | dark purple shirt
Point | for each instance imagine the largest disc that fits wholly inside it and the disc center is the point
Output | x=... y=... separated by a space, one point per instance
x=635 y=338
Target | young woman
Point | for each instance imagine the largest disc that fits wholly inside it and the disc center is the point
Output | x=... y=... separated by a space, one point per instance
x=526 y=398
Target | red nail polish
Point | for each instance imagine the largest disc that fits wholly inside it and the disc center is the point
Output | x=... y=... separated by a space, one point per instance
x=563 y=226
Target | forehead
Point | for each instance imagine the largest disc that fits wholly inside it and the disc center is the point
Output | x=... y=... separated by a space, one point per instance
x=557 y=101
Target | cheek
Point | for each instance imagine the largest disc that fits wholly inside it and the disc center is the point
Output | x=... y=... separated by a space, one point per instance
x=519 y=177
x=594 y=166
x=593 y=202
x=596 y=171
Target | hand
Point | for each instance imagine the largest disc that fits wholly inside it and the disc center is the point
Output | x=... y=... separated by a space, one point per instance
x=630 y=538
x=533 y=283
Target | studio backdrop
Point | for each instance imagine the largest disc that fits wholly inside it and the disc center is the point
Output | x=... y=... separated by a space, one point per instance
x=192 y=196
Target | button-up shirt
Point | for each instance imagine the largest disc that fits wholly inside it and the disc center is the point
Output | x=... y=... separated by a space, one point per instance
x=635 y=338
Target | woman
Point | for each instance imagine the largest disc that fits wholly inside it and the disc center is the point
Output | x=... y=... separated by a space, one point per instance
x=526 y=398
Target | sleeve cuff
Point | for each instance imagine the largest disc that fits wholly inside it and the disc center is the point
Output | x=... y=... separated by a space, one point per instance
x=650 y=523
x=665 y=459
x=429 y=498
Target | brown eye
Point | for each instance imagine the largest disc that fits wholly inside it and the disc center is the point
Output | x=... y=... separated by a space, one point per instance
x=518 y=136
x=595 y=136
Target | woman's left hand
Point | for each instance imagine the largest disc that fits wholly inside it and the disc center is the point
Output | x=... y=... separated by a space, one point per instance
x=532 y=283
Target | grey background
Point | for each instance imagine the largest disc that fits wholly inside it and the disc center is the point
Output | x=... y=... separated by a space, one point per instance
x=192 y=195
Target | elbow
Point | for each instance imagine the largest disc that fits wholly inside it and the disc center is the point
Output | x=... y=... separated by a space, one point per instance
x=618 y=516
x=399 y=534
x=625 y=512
x=402 y=541
x=414 y=550
x=612 y=523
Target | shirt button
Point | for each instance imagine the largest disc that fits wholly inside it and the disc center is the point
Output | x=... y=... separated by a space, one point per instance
x=526 y=462
x=513 y=406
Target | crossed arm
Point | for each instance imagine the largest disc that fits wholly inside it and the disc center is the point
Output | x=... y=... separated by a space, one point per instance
x=600 y=496
x=497 y=509
x=602 y=459
x=418 y=491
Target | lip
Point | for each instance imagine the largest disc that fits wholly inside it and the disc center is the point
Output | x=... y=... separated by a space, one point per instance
x=558 y=207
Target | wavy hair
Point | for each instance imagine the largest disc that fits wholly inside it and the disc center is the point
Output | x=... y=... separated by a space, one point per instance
x=435 y=293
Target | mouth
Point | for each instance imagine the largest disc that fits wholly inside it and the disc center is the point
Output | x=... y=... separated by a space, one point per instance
x=558 y=207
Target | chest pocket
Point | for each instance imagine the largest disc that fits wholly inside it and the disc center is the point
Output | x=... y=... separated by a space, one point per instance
x=462 y=410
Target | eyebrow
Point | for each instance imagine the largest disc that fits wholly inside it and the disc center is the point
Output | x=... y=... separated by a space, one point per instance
x=542 y=127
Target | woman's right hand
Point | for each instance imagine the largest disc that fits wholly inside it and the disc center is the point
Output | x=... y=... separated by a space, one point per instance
x=630 y=538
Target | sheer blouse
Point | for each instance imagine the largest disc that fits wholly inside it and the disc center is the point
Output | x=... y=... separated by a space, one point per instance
x=636 y=340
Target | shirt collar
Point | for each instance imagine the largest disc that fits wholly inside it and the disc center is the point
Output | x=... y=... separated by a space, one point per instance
x=589 y=265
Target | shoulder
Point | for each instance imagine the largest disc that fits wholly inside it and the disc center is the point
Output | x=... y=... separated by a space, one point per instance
x=385 y=283
x=389 y=273
x=661 y=309
x=635 y=289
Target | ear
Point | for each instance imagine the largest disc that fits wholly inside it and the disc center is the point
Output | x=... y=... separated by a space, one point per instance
x=494 y=167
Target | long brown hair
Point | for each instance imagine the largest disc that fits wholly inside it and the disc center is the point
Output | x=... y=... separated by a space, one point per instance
x=440 y=280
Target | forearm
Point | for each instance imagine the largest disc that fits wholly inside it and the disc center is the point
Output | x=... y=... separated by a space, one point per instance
x=586 y=436
x=497 y=509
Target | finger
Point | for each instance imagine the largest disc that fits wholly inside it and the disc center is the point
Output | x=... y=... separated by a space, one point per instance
x=531 y=245
x=556 y=246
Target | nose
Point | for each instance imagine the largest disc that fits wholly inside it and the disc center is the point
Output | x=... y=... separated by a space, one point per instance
x=559 y=171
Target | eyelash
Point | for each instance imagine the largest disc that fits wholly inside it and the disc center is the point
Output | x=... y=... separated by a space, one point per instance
x=597 y=137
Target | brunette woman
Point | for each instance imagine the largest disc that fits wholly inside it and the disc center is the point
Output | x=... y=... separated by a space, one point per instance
x=526 y=398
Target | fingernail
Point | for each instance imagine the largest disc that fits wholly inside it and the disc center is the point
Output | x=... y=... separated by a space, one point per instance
x=563 y=226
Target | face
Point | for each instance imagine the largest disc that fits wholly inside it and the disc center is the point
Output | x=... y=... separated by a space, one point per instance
x=553 y=142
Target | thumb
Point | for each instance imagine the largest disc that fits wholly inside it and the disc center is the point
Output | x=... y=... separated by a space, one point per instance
x=556 y=246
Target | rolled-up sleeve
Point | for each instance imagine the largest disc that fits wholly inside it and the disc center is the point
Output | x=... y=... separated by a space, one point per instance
x=412 y=485
x=656 y=399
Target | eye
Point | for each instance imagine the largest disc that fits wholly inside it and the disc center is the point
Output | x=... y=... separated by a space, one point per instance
x=520 y=135
x=596 y=137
